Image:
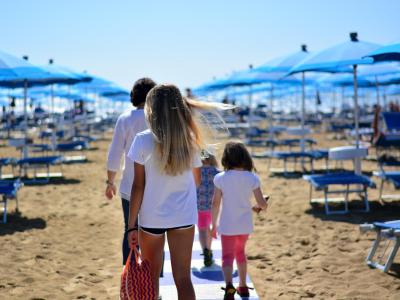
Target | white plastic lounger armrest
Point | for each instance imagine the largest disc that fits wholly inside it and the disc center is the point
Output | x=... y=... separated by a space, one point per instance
x=298 y=131
x=347 y=153
x=366 y=227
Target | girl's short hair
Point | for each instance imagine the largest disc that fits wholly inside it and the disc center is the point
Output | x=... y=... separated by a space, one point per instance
x=236 y=156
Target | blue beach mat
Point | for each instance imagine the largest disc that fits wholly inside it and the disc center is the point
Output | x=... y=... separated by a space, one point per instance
x=207 y=281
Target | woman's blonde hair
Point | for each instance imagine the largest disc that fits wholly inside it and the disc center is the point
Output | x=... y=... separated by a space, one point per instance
x=171 y=120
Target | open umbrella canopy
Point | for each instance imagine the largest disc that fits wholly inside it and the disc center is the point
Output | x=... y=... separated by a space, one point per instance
x=95 y=84
x=386 y=53
x=284 y=63
x=379 y=69
x=344 y=80
x=393 y=90
x=248 y=77
x=16 y=72
x=338 y=58
x=73 y=75
x=113 y=90
x=118 y=98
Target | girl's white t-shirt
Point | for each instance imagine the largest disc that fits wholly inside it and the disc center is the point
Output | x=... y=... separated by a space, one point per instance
x=237 y=190
x=168 y=201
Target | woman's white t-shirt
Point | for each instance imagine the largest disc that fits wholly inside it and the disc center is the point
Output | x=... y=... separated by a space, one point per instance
x=168 y=201
x=237 y=190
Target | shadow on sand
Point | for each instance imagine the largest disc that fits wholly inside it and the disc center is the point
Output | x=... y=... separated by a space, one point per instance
x=18 y=223
x=378 y=213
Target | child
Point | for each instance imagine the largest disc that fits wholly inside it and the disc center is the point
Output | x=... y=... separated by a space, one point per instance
x=166 y=172
x=234 y=188
x=205 y=193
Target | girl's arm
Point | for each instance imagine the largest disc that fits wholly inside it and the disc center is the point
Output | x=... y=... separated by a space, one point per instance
x=197 y=176
x=136 y=200
x=216 y=203
x=261 y=202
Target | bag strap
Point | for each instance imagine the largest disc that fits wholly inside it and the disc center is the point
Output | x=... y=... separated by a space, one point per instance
x=137 y=254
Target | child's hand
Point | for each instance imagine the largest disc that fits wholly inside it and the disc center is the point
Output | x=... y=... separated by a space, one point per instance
x=213 y=232
x=256 y=209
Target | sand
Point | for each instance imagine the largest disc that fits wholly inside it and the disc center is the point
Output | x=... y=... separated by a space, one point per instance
x=65 y=243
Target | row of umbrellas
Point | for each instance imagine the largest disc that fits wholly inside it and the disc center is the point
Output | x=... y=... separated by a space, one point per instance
x=19 y=73
x=353 y=57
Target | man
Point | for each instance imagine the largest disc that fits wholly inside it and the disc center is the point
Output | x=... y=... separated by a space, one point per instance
x=128 y=125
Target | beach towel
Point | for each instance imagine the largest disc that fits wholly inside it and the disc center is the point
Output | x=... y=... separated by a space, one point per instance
x=136 y=281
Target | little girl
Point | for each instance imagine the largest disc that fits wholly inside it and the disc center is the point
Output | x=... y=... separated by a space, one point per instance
x=205 y=193
x=234 y=188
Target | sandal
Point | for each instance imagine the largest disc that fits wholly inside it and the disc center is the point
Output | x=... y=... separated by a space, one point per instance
x=229 y=292
x=208 y=257
x=243 y=291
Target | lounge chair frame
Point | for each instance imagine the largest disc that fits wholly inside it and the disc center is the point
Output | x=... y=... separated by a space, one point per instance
x=382 y=234
x=350 y=187
x=11 y=194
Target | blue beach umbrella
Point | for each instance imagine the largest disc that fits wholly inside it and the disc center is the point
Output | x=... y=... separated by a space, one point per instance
x=67 y=72
x=386 y=53
x=350 y=53
x=284 y=63
x=17 y=73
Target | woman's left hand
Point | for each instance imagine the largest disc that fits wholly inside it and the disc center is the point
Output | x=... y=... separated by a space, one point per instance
x=133 y=238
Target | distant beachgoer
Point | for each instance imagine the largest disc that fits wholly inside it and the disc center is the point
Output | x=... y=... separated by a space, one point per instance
x=394 y=107
x=205 y=193
x=167 y=170
x=234 y=189
x=128 y=125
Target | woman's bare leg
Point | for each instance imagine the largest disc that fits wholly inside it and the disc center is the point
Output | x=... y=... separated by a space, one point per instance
x=152 y=247
x=180 y=242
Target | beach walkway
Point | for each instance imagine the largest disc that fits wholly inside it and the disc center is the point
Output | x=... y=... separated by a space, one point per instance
x=207 y=281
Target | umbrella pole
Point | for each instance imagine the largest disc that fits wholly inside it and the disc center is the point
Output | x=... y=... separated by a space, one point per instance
x=271 y=116
x=357 y=161
x=53 y=129
x=378 y=101
x=250 y=108
x=356 y=110
x=25 y=147
x=303 y=110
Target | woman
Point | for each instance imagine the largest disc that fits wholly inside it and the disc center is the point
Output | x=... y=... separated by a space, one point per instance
x=166 y=171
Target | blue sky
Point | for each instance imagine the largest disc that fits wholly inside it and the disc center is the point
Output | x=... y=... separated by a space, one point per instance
x=184 y=42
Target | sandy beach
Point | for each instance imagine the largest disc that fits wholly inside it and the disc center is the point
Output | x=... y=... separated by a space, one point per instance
x=65 y=243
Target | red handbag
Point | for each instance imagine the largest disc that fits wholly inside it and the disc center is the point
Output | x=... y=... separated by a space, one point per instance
x=136 y=280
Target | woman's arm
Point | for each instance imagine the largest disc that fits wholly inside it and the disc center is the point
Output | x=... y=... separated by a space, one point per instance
x=216 y=203
x=136 y=200
x=197 y=176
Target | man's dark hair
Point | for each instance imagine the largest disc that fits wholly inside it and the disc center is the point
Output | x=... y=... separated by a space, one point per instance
x=140 y=89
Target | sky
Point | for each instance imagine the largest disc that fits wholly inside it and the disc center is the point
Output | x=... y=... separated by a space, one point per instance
x=184 y=42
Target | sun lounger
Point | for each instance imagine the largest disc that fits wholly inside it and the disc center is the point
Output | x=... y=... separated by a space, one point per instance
x=72 y=146
x=8 y=190
x=388 y=232
x=392 y=176
x=392 y=121
x=294 y=157
x=48 y=134
x=4 y=162
x=326 y=182
x=36 y=163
